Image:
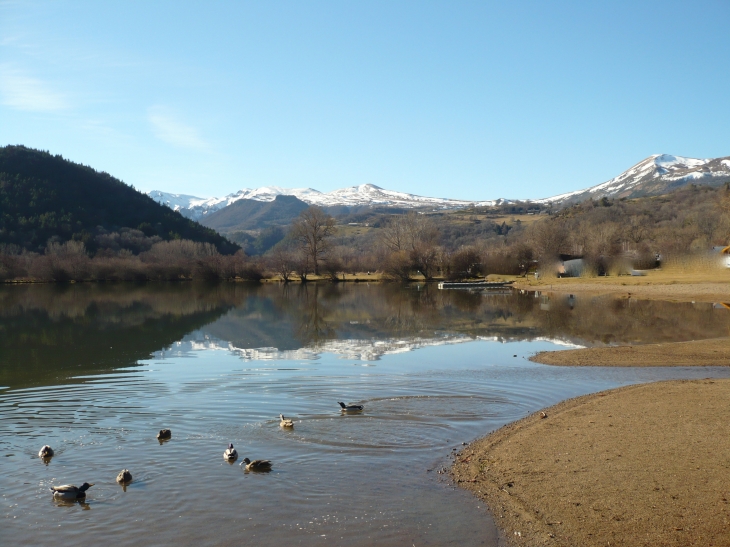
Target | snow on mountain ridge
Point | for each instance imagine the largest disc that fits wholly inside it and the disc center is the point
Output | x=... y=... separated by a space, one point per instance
x=654 y=175
x=362 y=195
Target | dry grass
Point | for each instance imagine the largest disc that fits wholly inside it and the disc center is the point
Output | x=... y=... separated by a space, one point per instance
x=468 y=217
x=345 y=230
x=362 y=277
x=679 y=281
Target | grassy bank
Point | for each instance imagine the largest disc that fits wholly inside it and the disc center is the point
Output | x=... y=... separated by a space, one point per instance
x=678 y=284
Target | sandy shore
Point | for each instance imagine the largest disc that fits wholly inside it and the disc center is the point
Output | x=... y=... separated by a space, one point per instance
x=641 y=465
x=700 y=353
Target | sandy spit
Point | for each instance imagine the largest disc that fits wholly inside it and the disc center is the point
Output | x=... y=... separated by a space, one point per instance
x=644 y=465
x=699 y=353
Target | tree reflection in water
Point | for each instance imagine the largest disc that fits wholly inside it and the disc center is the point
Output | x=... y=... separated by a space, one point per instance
x=52 y=332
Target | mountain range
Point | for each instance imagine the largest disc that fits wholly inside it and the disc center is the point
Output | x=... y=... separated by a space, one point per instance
x=655 y=175
x=364 y=195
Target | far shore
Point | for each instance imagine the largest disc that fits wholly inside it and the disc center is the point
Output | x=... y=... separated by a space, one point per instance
x=640 y=465
x=712 y=285
x=708 y=285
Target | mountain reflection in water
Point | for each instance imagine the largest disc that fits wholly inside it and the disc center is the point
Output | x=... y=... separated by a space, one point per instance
x=52 y=332
x=367 y=321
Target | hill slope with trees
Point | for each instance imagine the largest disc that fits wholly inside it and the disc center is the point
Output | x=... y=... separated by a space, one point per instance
x=249 y=214
x=48 y=199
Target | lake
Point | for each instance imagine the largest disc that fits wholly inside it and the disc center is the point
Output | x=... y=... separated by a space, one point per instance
x=96 y=370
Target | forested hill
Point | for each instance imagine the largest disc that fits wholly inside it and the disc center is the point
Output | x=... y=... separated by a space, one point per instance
x=47 y=198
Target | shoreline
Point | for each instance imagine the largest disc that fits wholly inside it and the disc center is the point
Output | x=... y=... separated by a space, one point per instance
x=672 y=285
x=643 y=464
x=697 y=353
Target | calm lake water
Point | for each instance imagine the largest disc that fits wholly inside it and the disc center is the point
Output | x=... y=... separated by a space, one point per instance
x=95 y=371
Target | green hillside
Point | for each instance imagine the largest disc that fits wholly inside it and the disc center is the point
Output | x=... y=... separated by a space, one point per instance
x=45 y=197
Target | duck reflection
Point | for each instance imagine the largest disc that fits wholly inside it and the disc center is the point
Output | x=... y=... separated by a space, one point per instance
x=83 y=504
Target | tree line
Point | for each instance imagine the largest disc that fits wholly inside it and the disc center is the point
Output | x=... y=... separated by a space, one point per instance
x=606 y=233
x=610 y=235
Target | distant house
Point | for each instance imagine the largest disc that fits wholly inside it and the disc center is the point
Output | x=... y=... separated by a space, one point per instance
x=573 y=267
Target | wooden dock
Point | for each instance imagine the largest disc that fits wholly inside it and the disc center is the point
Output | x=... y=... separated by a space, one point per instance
x=474 y=284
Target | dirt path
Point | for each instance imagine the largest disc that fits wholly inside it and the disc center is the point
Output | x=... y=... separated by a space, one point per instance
x=641 y=465
x=700 y=353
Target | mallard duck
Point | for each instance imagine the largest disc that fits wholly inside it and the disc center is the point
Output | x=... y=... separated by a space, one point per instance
x=45 y=452
x=351 y=408
x=256 y=465
x=124 y=476
x=285 y=422
x=70 y=492
x=164 y=434
x=230 y=453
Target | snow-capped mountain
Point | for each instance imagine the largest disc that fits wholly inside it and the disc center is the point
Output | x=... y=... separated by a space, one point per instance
x=655 y=175
x=363 y=195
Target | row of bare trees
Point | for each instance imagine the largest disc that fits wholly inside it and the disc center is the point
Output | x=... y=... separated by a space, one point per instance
x=690 y=221
x=605 y=233
x=166 y=260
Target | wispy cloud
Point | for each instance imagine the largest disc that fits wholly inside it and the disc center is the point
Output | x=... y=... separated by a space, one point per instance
x=23 y=92
x=168 y=128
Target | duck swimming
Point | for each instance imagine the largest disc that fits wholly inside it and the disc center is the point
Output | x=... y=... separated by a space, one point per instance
x=285 y=422
x=164 y=434
x=70 y=492
x=45 y=452
x=124 y=476
x=230 y=453
x=351 y=408
x=256 y=465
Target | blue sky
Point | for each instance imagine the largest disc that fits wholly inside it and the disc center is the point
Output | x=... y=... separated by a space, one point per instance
x=469 y=100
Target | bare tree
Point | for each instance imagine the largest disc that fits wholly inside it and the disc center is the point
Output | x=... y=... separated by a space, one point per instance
x=302 y=266
x=282 y=262
x=312 y=231
x=636 y=230
x=465 y=262
x=416 y=235
x=68 y=260
x=547 y=238
x=397 y=266
x=393 y=234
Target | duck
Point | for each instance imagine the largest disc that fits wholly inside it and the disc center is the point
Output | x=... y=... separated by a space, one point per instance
x=45 y=452
x=230 y=453
x=164 y=434
x=285 y=422
x=256 y=465
x=70 y=492
x=351 y=408
x=124 y=476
